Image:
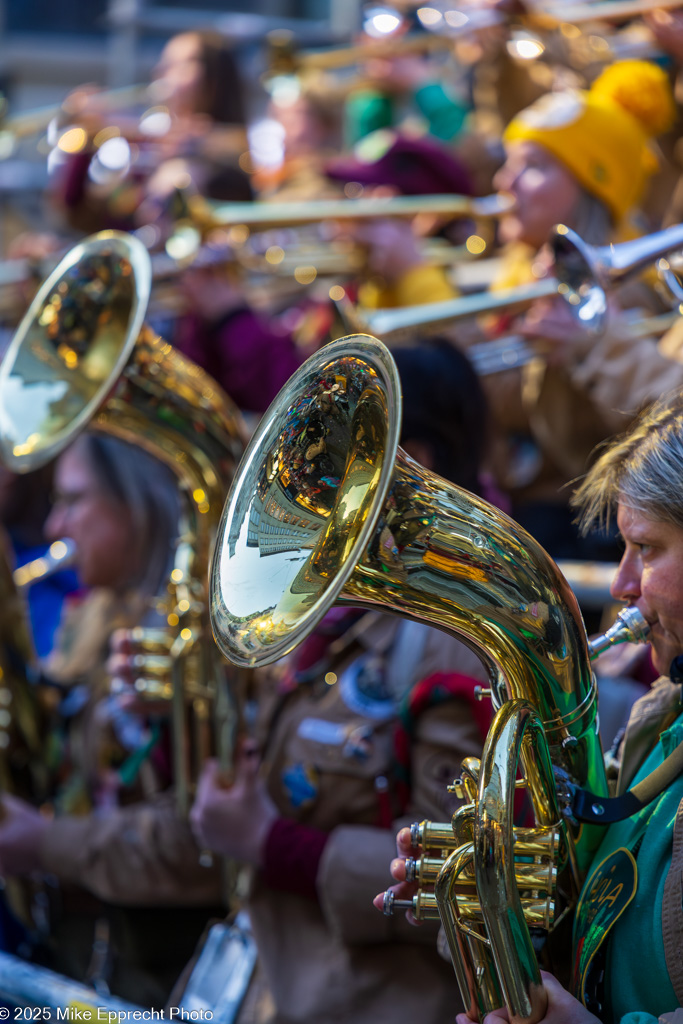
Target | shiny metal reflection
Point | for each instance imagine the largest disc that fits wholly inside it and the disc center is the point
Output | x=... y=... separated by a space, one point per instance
x=74 y=340
x=309 y=492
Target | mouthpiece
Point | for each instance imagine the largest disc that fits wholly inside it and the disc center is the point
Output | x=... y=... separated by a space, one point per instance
x=630 y=627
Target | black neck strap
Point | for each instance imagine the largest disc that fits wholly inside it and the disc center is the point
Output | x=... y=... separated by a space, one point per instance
x=600 y=810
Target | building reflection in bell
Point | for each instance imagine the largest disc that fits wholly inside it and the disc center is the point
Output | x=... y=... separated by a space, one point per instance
x=305 y=502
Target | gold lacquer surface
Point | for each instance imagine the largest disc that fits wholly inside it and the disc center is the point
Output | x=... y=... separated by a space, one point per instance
x=80 y=327
x=82 y=357
x=304 y=501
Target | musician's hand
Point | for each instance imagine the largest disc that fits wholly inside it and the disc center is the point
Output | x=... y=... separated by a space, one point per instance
x=84 y=104
x=404 y=890
x=172 y=174
x=90 y=107
x=22 y=828
x=126 y=667
x=667 y=28
x=563 y=1008
x=234 y=820
x=392 y=248
x=551 y=324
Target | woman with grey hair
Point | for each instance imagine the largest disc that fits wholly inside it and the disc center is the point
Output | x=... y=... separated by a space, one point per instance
x=631 y=972
x=642 y=469
x=126 y=862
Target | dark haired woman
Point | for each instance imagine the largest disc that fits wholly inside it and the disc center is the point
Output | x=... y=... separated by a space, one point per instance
x=131 y=178
x=129 y=873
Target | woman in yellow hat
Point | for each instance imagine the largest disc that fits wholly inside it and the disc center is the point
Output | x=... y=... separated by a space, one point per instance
x=582 y=158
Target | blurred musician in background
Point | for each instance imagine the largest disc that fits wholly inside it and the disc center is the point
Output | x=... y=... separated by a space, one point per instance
x=132 y=897
x=196 y=142
x=582 y=159
x=304 y=124
x=664 y=200
x=395 y=87
x=252 y=355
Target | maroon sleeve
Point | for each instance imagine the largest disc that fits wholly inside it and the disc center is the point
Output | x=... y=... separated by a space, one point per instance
x=71 y=187
x=249 y=357
x=291 y=857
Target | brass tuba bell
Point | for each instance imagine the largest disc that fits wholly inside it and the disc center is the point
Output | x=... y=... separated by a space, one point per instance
x=83 y=357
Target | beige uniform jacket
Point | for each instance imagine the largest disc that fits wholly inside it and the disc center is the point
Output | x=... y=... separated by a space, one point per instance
x=339 y=959
x=130 y=874
x=570 y=409
x=140 y=854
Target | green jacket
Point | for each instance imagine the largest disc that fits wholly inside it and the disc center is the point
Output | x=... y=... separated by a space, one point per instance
x=651 y=716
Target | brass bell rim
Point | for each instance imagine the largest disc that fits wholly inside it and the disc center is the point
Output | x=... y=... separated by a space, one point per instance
x=378 y=358
x=128 y=247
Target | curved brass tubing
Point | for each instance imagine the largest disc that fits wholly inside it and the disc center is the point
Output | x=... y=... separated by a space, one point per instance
x=516 y=734
x=474 y=972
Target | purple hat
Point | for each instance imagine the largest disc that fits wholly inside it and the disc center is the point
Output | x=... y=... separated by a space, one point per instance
x=415 y=166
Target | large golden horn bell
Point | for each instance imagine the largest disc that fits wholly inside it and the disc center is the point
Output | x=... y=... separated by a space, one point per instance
x=83 y=357
x=326 y=508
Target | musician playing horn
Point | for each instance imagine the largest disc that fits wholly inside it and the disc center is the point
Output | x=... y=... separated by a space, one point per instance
x=583 y=159
x=635 y=977
x=124 y=859
x=196 y=147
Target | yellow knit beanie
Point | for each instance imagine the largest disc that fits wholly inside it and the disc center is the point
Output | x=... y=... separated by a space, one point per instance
x=602 y=135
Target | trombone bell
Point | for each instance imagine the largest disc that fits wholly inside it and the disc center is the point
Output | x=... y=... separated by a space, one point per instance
x=585 y=272
x=582 y=278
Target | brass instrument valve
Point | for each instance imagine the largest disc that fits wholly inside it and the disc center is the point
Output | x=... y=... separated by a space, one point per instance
x=432 y=835
x=423 y=906
x=456 y=788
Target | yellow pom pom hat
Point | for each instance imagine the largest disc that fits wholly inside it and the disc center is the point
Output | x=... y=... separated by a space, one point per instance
x=602 y=135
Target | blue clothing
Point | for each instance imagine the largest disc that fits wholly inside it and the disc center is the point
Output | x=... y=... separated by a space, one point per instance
x=45 y=598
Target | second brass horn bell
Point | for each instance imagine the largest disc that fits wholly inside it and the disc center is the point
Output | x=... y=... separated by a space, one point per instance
x=325 y=508
x=83 y=357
